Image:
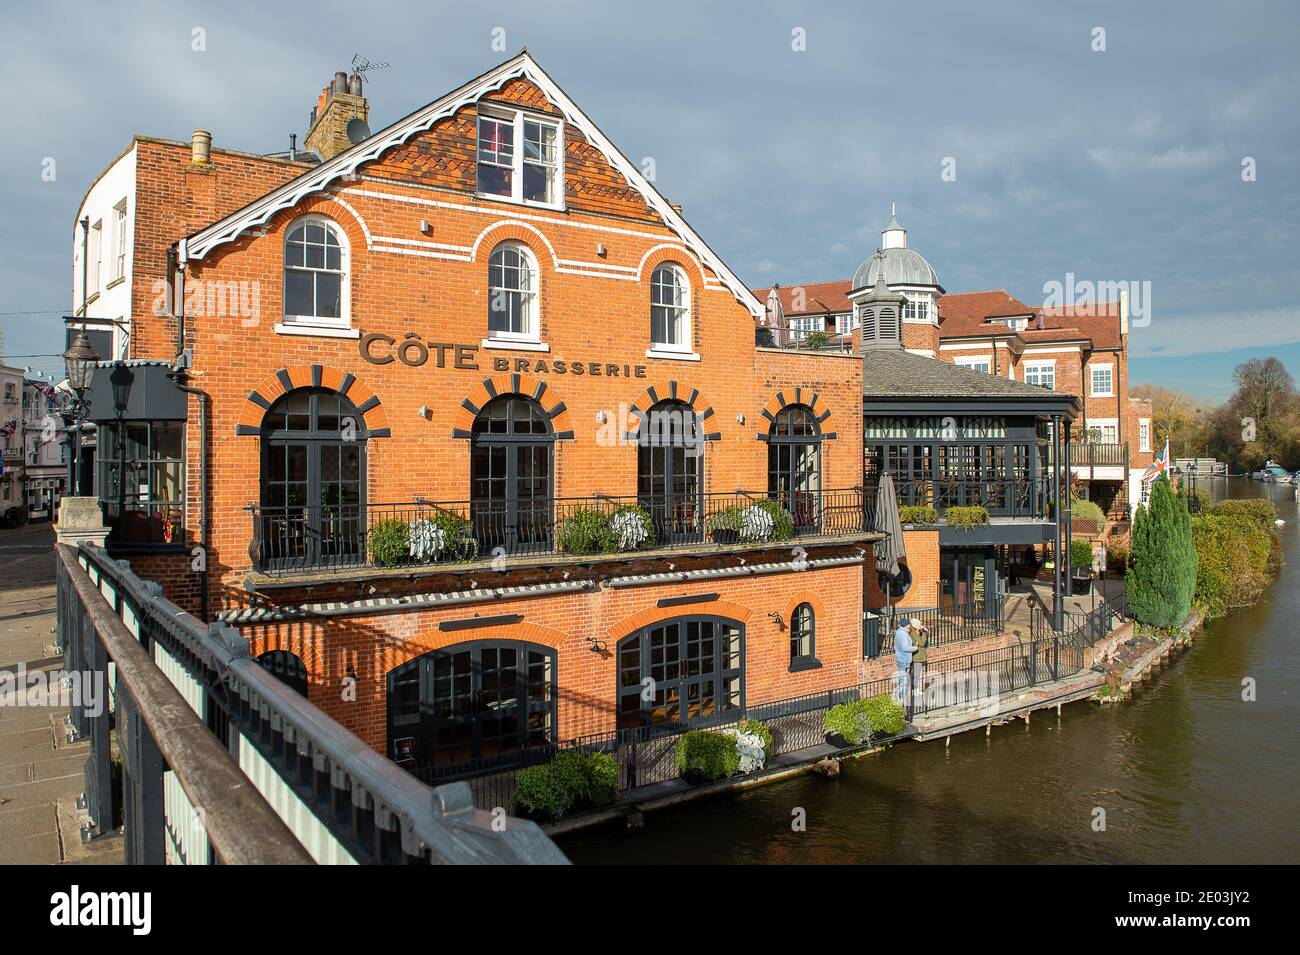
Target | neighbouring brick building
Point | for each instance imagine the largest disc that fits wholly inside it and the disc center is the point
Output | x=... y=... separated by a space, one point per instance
x=1076 y=350
x=466 y=429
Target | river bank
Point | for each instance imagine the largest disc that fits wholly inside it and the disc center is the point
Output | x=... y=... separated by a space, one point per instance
x=1186 y=771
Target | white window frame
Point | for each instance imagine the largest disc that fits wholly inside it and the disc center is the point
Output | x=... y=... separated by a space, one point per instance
x=517 y=119
x=982 y=363
x=119 y=240
x=1103 y=425
x=1144 y=434
x=683 y=346
x=530 y=300
x=913 y=307
x=300 y=324
x=1038 y=367
x=1092 y=381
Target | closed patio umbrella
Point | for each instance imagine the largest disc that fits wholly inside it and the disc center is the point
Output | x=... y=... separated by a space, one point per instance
x=889 y=549
x=775 y=316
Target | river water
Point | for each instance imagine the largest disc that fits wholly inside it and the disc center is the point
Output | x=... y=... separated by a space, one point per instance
x=1186 y=772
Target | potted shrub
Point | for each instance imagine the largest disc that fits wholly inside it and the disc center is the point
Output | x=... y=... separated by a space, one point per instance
x=918 y=514
x=846 y=724
x=539 y=795
x=585 y=531
x=782 y=526
x=631 y=528
x=443 y=536
x=389 y=542
x=858 y=721
x=1081 y=566
x=753 y=742
x=724 y=526
x=705 y=756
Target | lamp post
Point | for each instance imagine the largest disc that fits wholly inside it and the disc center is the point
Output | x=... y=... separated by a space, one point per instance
x=79 y=363
x=121 y=379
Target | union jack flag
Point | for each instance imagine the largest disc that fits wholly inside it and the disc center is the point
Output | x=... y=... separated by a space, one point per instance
x=8 y=428
x=1157 y=467
x=46 y=389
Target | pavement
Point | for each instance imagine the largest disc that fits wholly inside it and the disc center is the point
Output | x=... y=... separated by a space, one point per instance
x=41 y=775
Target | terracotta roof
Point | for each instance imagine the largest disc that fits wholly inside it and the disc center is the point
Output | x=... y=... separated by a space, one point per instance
x=818 y=297
x=967 y=314
x=1100 y=322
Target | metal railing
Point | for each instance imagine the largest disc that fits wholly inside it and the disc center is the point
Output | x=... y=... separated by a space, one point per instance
x=1001 y=497
x=647 y=755
x=422 y=533
x=945 y=624
x=223 y=761
x=1082 y=629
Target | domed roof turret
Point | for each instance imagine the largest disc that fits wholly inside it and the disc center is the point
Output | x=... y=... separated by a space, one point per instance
x=902 y=266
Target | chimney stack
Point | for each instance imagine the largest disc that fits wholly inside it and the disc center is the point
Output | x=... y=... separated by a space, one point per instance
x=339 y=103
x=201 y=147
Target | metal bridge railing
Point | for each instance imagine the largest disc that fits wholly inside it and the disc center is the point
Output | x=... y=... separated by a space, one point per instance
x=198 y=721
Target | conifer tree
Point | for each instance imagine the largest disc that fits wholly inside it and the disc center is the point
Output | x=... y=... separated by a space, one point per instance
x=1162 y=573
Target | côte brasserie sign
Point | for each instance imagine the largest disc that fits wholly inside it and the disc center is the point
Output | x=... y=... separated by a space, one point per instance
x=413 y=351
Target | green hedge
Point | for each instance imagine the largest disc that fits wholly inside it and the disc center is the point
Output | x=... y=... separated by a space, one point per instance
x=708 y=754
x=918 y=514
x=964 y=518
x=1238 y=554
x=574 y=779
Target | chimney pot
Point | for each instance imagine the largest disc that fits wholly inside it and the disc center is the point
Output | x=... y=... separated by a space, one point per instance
x=201 y=147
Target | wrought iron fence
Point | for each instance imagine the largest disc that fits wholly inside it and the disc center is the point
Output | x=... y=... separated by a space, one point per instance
x=422 y=533
x=1081 y=629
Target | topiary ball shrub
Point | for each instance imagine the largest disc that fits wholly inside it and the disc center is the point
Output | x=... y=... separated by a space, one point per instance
x=389 y=542
x=539 y=794
x=1081 y=556
x=706 y=756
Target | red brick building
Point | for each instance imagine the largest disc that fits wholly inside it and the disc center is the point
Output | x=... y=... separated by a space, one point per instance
x=1082 y=351
x=465 y=428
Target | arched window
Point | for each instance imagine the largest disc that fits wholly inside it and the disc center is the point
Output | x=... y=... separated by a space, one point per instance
x=794 y=464
x=472 y=701
x=670 y=309
x=803 y=637
x=512 y=292
x=315 y=273
x=287 y=667
x=697 y=668
x=313 y=480
x=670 y=471
x=510 y=475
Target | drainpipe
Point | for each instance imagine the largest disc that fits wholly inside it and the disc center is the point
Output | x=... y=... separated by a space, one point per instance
x=178 y=376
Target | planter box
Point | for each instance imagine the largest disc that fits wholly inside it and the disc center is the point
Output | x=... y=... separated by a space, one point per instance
x=724 y=536
x=1081 y=586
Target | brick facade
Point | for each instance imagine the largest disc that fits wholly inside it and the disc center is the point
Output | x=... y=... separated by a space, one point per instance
x=418 y=240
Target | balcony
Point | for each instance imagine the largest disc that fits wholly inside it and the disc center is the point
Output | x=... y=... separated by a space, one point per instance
x=428 y=537
x=1096 y=454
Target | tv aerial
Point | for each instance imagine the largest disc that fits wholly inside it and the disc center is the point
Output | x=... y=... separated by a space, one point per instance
x=361 y=66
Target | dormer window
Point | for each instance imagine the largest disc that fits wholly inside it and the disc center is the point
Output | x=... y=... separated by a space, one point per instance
x=519 y=157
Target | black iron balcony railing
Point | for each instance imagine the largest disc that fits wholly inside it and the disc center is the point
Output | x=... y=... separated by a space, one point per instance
x=1001 y=497
x=1090 y=454
x=423 y=533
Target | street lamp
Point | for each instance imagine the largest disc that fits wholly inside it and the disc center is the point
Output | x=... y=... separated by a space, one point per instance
x=79 y=363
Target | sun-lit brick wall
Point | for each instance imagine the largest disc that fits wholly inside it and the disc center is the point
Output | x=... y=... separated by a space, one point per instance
x=373 y=645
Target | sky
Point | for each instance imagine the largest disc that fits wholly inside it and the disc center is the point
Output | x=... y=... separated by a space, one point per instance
x=1018 y=150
